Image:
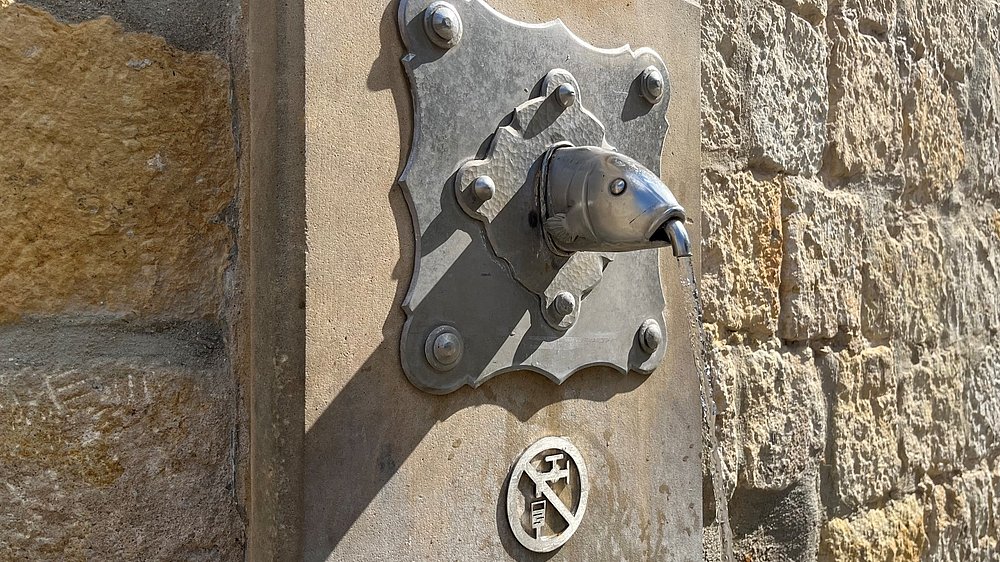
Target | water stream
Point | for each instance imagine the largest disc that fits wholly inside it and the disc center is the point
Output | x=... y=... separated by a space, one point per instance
x=709 y=408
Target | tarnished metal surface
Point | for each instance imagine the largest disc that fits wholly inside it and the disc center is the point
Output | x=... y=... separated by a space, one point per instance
x=547 y=494
x=484 y=267
x=599 y=200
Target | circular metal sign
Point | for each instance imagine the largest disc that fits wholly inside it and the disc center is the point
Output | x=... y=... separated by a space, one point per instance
x=547 y=494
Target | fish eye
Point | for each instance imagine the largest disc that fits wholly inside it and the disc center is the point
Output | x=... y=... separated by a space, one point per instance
x=617 y=187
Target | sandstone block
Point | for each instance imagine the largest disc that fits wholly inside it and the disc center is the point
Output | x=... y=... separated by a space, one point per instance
x=786 y=91
x=933 y=430
x=117 y=445
x=981 y=121
x=741 y=259
x=778 y=525
x=982 y=405
x=943 y=32
x=116 y=174
x=865 y=120
x=871 y=16
x=933 y=141
x=881 y=272
x=780 y=411
x=922 y=277
x=812 y=11
x=972 y=267
x=821 y=268
x=725 y=50
x=961 y=523
x=865 y=464
x=895 y=532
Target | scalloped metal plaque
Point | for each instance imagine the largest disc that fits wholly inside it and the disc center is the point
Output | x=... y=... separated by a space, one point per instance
x=484 y=285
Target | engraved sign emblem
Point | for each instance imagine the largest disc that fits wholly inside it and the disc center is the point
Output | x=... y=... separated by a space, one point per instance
x=547 y=494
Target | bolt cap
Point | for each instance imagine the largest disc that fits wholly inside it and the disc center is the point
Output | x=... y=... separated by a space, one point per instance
x=484 y=188
x=653 y=85
x=443 y=25
x=564 y=304
x=566 y=94
x=650 y=336
x=444 y=348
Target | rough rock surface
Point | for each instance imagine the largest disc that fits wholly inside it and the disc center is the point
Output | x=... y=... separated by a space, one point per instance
x=742 y=261
x=117 y=445
x=851 y=271
x=864 y=437
x=119 y=419
x=117 y=172
x=895 y=532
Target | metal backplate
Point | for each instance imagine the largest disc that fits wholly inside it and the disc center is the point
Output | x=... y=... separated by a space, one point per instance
x=464 y=90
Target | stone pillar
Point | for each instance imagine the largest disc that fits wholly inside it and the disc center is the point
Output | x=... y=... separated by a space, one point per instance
x=392 y=471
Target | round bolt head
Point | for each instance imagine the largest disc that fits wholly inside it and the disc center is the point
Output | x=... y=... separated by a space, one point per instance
x=566 y=94
x=484 y=188
x=618 y=186
x=444 y=348
x=650 y=336
x=443 y=25
x=447 y=348
x=653 y=85
x=564 y=304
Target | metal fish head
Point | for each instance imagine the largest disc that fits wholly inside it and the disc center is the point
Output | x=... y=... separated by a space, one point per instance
x=600 y=200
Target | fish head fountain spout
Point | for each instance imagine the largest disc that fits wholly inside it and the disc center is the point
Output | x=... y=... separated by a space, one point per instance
x=599 y=200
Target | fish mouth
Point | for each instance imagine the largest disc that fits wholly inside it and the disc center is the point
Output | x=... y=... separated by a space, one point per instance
x=669 y=231
x=659 y=231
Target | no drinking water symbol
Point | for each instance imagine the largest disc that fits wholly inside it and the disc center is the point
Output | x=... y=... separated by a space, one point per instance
x=547 y=494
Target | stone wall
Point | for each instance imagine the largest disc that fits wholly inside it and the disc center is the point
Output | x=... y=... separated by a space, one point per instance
x=120 y=418
x=851 y=270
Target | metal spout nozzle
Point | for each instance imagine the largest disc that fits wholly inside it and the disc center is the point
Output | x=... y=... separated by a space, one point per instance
x=678 y=237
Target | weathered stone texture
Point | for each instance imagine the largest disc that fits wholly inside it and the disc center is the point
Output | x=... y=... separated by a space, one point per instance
x=865 y=131
x=972 y=268
x=863 y=418
x=889 y=268
x=961 y=518
x=742 y=259
x=872 y=17
x=119 y=418
x=781 y=525
x=725 y=60
x=981 y=121
x=116 y=445
x=981 y=403
x=943 y=31
x=933 y=143
x=780 y=413
x=931 y=409
x=116 y=175
x=821 y=267
x=895 y=532
x=881 y=271
x=923 y=294
x=786 y=91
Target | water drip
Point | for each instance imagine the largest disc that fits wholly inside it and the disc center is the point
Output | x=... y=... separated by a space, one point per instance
x=709 y=407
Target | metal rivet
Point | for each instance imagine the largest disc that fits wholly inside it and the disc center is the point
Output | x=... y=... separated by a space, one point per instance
x=653 y=84
x=566 y=94
x=443 y=348
x=564 y=304
x=443 y=24
x=650 y=336
x=618 y=186
x=484 y=188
